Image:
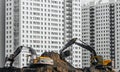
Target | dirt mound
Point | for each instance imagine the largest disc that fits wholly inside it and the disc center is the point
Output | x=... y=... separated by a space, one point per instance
x=60 y=65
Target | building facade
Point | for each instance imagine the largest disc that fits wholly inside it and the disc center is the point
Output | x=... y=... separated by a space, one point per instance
x=100 y=29
x=45 y=25
x=2 y=32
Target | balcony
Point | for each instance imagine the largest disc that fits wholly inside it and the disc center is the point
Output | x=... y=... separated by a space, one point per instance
x=92 y=16
x=92 y=23
x=92 y=13
x=69 y=9
x=70 y=22
x=69 y=27
x=92 y=44
x=69 y=13
x=69 y=5
x=92 y=30
x=69 y=1
x=92 y=40
x=92 y=19
x=69 y=32
x=112 y=13
x=92 y=9
x=92 y=26
x=92 y=37
x=69 y=18
x=92 y=33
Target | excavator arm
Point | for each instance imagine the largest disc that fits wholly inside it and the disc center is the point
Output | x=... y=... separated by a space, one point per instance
x=65 y=53
x=12 y=57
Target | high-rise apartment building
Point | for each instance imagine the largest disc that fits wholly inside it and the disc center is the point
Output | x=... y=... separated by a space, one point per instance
x=45 y=25
x=2 y=32
x=100 y=29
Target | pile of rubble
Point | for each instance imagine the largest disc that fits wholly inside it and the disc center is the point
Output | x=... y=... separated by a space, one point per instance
x=60 y=65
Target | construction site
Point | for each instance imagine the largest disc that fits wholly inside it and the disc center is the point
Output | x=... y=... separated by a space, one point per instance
x=54 y=62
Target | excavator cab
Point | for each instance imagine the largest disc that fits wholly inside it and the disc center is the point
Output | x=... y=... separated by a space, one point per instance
x=107 y=62
x=99 y=62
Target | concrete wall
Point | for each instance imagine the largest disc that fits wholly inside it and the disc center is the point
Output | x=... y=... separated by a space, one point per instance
x=2 y=32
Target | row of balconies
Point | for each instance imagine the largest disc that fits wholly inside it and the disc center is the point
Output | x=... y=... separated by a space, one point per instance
x=92 y=27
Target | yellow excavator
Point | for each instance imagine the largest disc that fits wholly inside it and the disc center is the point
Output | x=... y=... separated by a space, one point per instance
x=95 y=60
x=35 y=61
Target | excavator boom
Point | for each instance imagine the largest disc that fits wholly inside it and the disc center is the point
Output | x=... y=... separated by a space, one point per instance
x=88 y=48
x=16 y=52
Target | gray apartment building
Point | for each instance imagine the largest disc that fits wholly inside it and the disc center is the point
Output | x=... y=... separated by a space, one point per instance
x=101 y=30
x=45 y=25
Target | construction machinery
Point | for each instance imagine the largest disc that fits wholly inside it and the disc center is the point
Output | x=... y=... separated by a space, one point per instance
x=54 y=62
x=95 y=60
x=35 y=60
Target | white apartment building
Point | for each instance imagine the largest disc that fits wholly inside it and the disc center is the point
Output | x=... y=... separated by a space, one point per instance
x=100 y=29
x=2 y=32
x=42 y=25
